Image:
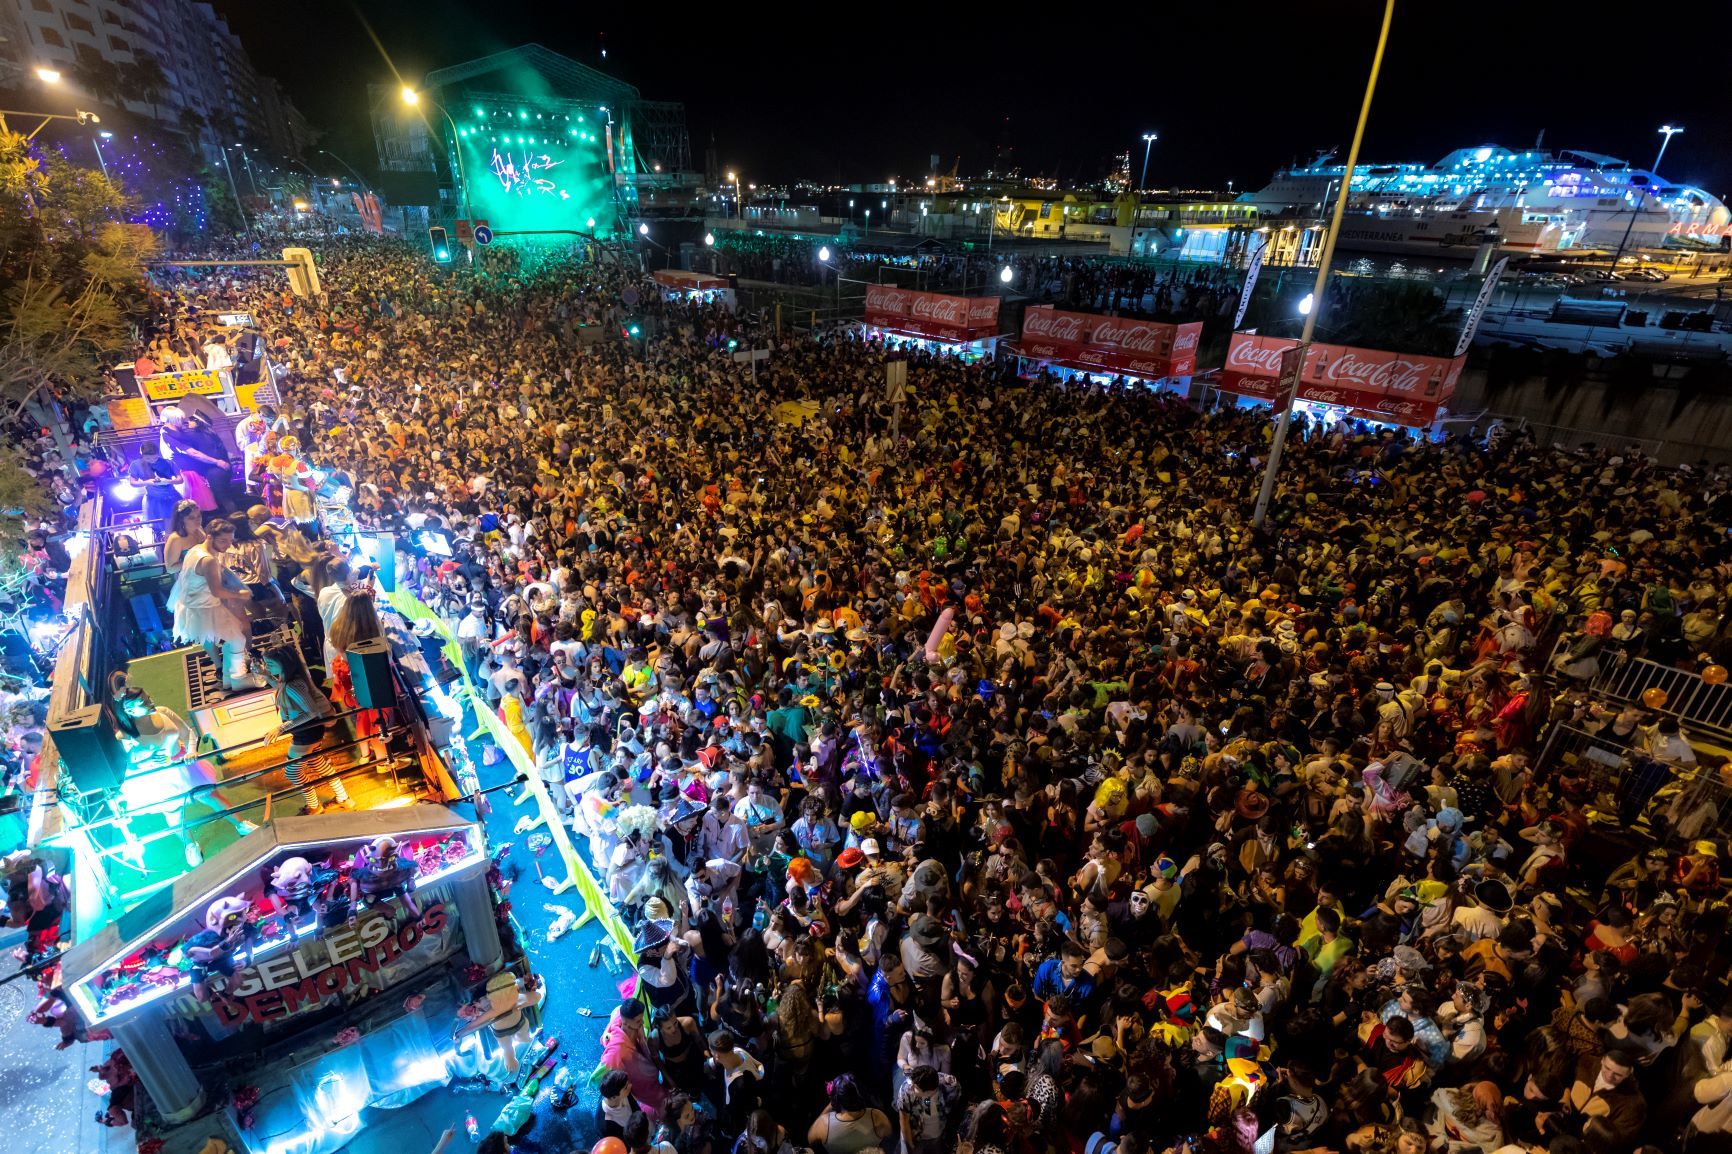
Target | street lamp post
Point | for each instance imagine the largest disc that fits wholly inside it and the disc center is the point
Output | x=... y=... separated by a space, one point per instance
x=235 y=188
x=359 y=179
x=48 y=76
x=412 y=99
x=1149 y=139
x=824 y=262
x=1668 y=131
x=739 y=204
x=1267 y=491
x=246 y=163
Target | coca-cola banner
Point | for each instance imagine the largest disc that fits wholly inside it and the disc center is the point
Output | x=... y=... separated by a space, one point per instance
x=1405 y=388
x=934 y=315
x=1253 y=367
x=1147 y=349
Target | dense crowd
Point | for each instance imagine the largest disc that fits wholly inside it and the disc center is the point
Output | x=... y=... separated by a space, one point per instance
x=999 y=788
x=1149 y=288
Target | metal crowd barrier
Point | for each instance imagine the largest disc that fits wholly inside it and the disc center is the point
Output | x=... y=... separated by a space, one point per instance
x=1702 y=709
x=1673 y=806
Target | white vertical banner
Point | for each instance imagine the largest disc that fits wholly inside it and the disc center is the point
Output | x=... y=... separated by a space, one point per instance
x=1251 y=271
x=1471 y=325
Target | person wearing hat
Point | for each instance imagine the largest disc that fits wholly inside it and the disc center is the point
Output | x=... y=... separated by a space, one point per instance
x=881 y=870
x=662 y=965
x=862 y=823
x=925 y=952
x=1698 y=872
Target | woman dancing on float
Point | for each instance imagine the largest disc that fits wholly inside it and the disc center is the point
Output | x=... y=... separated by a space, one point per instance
x=209 y=604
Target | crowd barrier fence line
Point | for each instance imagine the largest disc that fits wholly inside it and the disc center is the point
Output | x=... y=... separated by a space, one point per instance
x=596 y=903
x=1637 y=791
x=1694 y=702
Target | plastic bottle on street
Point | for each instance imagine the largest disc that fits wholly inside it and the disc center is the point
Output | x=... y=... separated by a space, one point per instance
x=472 y=1126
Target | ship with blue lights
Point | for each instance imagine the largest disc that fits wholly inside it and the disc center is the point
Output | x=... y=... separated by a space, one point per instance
x=1529 y=202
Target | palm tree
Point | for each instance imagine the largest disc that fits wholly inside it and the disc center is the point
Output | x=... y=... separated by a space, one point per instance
x=146 y=80
x=193 y=123
x=104 y=79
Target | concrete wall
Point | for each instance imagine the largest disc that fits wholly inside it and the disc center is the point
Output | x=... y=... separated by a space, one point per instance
x=1608 y=413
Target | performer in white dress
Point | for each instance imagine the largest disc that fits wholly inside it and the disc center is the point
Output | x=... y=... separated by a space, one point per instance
x=209 y=606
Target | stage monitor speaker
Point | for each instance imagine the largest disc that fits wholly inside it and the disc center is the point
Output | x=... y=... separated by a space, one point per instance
x=91 y=755
x=370 y=670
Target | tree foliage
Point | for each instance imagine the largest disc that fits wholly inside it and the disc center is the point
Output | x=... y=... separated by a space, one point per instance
x=71 y=272
x=23 y=503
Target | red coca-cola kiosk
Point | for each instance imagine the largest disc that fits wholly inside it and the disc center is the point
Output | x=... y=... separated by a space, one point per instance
x=1335 y=381
x=963 y=326
x=684 y=285
x=1087 y=344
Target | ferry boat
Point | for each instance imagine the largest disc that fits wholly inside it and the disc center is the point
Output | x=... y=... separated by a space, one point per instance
x=1527 y=202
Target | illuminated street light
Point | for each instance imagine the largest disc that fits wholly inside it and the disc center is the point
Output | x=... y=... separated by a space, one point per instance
x=824 y=253
x=710 y=239
x=410 y=96
x=1668 y=131
x=1305 y=305
x=643 y=230
x=1004 y=275
x=1149 y=139
x=48 y=75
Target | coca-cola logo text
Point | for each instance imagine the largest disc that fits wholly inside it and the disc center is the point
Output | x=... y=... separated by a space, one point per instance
x=1132 y=338
x=885 y=300
x=1185 y=340
x=1253 y=357
x=942 y=310
x=1052 y=325
x=1391 y=375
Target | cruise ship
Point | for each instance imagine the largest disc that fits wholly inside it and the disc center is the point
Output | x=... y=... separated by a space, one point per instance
x=1522 y=202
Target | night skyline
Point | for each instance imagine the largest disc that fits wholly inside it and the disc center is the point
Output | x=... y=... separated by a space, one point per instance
x=1230 y=98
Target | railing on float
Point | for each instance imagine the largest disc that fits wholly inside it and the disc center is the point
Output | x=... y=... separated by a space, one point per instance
x=546 y=815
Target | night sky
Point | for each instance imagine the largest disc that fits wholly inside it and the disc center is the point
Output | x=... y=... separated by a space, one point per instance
x=1234 y=90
